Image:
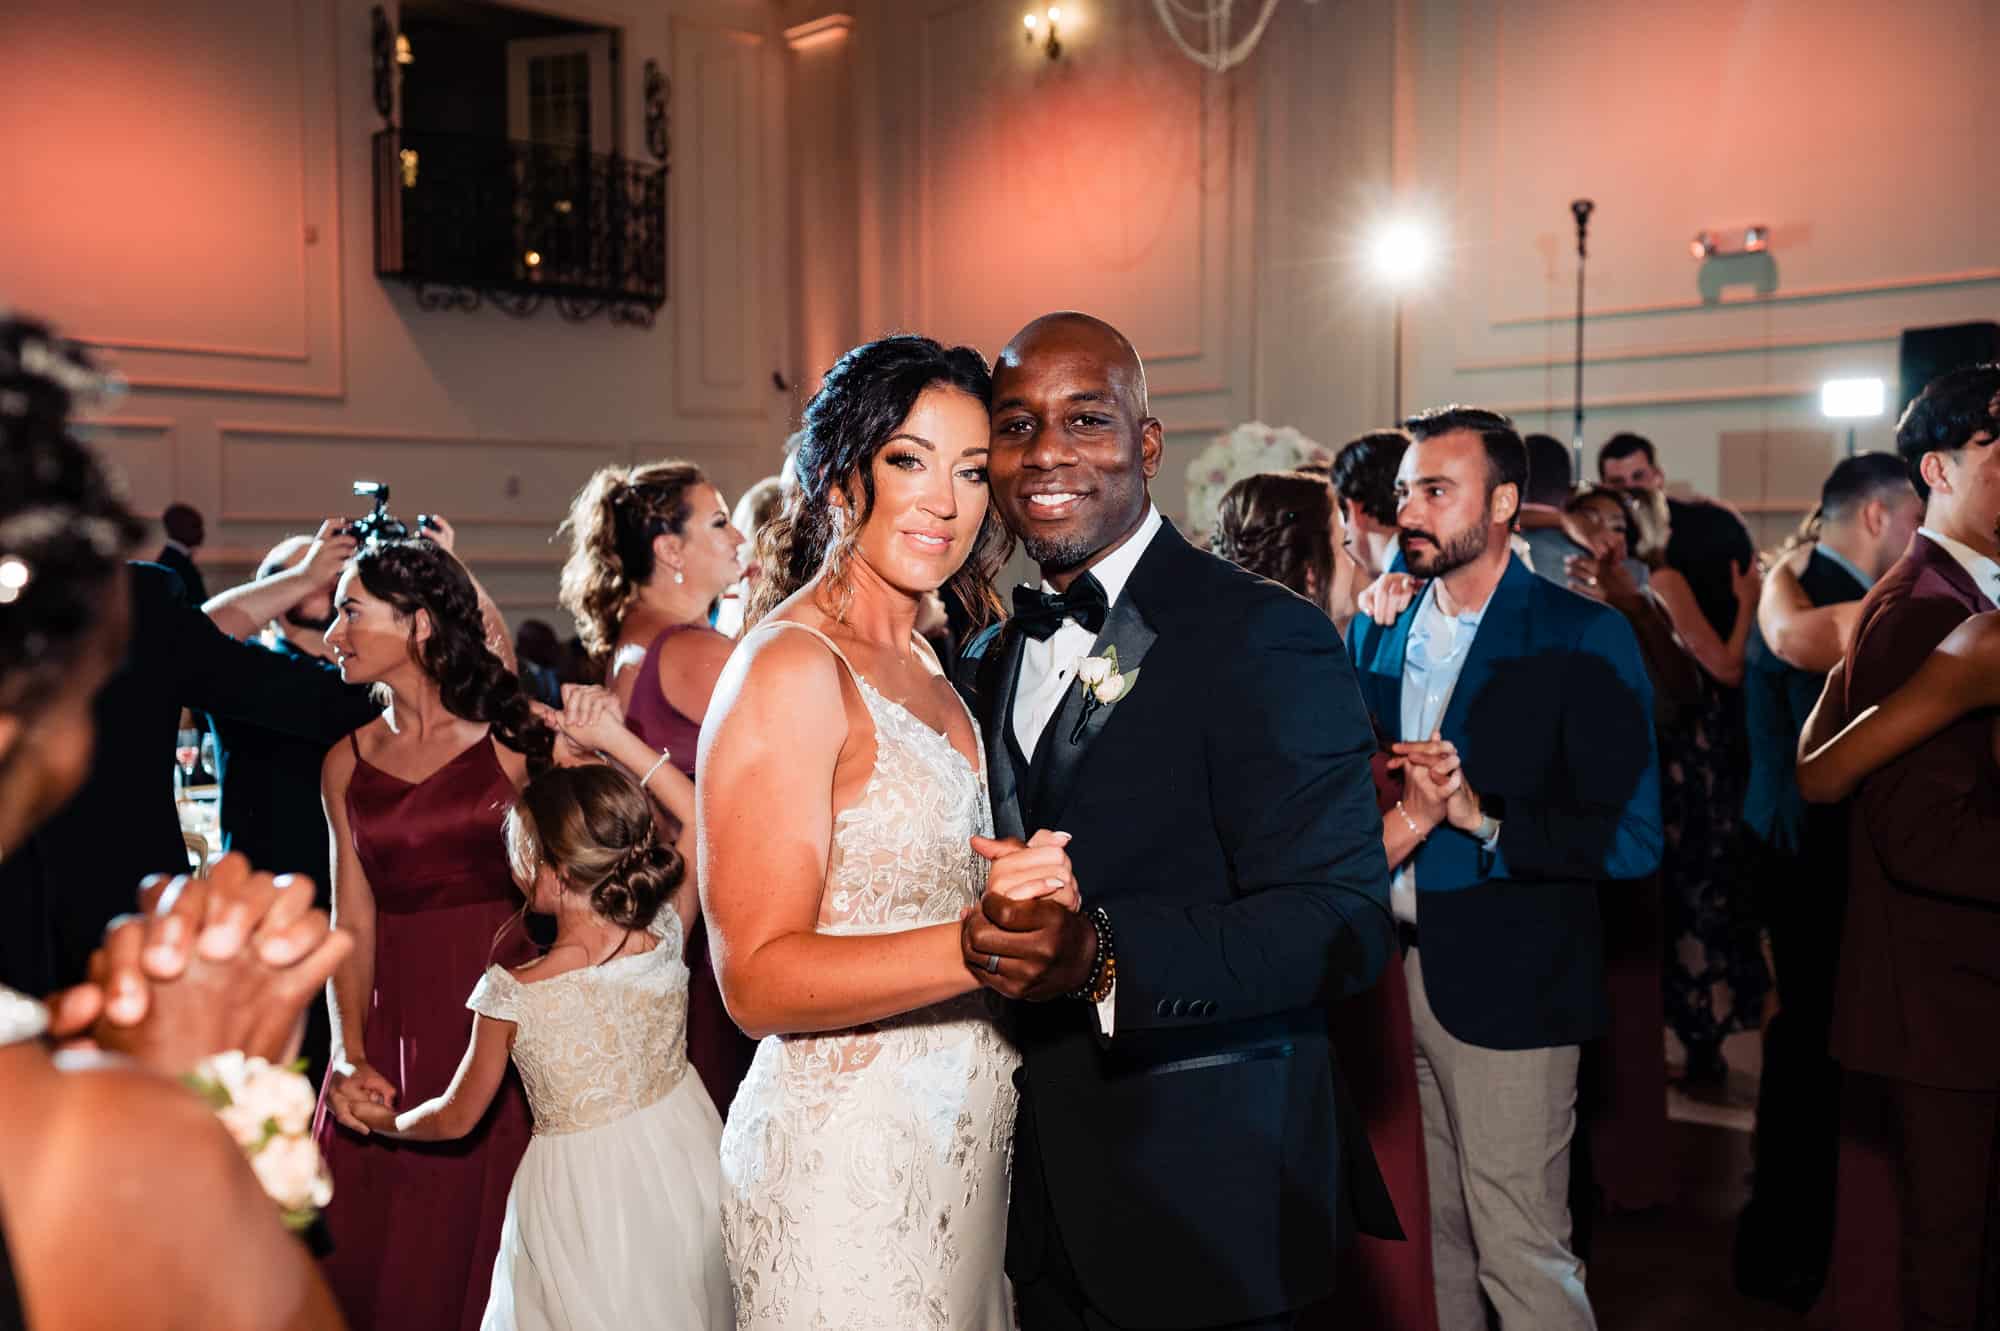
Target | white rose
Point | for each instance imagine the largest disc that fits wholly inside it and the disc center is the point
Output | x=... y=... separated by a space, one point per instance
x=290 y=1170
x=1094 y=670
x=281 y=1094
x=1111 y=689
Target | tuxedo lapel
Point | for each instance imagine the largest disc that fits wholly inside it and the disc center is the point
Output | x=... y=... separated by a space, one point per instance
x=1067 y=738
x=1005 y=770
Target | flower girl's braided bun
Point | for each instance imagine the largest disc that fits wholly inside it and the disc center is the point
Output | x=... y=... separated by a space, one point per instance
x=594 y=826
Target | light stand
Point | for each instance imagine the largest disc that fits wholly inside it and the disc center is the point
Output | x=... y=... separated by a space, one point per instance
x=1579 y=209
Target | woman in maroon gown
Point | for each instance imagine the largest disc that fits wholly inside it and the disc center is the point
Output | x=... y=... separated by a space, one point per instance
x=421 y=878
x=1286 y=527
x=651 y=548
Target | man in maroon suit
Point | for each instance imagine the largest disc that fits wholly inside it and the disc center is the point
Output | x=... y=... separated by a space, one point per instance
x=1919 y=1000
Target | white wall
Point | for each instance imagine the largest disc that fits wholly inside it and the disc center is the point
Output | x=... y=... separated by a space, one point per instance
x=1221 y=221
x=1837 y=124
x=199 y=205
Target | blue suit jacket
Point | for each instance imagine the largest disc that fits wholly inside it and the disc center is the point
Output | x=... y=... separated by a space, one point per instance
x=1553 y=719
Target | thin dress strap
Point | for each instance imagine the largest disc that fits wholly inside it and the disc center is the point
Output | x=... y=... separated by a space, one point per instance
x=354 y=744
x=831 y=646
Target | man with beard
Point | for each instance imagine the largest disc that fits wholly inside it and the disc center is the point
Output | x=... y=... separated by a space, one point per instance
x=1184 y=1154
x=270 y=780
x=1541 y=697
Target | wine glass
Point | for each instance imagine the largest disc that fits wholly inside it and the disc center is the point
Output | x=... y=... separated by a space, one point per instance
x=187 y=752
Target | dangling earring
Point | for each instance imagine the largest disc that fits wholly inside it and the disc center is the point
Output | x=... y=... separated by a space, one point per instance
x=679 y=577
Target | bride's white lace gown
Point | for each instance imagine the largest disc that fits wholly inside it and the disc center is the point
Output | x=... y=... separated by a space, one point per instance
x=864 y=1172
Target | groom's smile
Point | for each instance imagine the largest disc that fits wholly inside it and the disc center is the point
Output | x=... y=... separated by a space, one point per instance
x=1073 y=446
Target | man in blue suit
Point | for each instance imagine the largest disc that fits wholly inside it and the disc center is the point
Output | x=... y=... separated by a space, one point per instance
x=1537 y=701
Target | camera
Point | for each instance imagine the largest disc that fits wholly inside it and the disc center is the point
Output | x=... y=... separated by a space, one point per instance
x=379 y=524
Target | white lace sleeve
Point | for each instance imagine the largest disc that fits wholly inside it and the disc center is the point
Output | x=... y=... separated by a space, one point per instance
x=497 y=995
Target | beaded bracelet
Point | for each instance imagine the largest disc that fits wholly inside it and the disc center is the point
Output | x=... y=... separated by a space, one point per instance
x=666 y=756
x=1103 y=967
x=1415 y=831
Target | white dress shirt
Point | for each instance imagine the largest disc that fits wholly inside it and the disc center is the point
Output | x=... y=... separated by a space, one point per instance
x=1985 y=572
x=1048 y=668
x=1433 y=657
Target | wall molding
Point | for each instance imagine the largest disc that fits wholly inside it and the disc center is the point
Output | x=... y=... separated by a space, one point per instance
x=1677 y=398
x=376 y=434
x=320 y=248
x=1682 y=351
x=1790 y=296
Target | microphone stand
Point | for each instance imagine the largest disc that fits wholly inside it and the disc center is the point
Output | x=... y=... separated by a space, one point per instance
x=1580 y=209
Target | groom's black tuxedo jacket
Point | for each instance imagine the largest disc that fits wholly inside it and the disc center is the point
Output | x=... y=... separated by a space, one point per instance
x=1202 y=1164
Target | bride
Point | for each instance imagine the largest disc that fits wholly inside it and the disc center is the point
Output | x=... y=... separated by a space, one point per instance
x=842 y=786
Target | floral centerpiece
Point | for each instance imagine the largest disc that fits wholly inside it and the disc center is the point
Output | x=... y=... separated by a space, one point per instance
x=1244 y=451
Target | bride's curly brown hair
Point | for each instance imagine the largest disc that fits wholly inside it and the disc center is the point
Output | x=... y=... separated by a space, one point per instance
x=472 y=681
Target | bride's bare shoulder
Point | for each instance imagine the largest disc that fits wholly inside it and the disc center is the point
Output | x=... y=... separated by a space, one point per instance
x=781 y=666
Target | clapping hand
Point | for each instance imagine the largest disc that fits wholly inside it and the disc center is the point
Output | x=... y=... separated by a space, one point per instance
x=1432 y=770
x=209 y=965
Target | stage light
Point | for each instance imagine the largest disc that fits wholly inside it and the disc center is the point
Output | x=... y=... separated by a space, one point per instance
x=1400 y=252
x=1702 y=246
x=1756 y=239
x=533 y=258
x=1852 y=399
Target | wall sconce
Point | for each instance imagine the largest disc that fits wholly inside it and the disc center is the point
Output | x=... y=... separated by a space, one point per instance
x=1033 y=23
x=1706 y=244
x=404 y=55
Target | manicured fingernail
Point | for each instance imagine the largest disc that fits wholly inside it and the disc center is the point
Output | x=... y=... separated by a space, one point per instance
x=1064 y=837
x=1055 y=882
x=126 y=1004
x=221 y=941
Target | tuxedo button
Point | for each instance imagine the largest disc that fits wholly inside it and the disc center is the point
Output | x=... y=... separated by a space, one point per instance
x=1179 y=1008
x=1205 y=1008
x=1162 y=1008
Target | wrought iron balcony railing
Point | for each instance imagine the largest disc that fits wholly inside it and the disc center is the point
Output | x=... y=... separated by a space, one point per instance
x=464 y=218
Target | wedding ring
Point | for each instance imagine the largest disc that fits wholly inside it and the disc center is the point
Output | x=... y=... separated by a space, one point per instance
x=993 y=963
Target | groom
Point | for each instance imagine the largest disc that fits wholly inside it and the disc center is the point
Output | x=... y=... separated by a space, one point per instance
x=1185 y=1155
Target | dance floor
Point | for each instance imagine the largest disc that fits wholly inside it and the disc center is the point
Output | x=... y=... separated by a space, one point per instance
x=1668 y=1270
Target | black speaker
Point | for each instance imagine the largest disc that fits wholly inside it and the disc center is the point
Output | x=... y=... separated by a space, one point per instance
x=1929 y=352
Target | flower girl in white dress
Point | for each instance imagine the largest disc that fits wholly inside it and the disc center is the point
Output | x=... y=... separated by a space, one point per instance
x=613 y=1221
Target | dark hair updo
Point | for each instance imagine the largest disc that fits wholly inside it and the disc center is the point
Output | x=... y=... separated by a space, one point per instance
x=612 y=523
x=863 y=400
x=594 y=826
x=1279 y=525
x=471 y=679
x=64 y=526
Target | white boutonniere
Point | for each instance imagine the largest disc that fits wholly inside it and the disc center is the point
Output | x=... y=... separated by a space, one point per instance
x=1102 y=685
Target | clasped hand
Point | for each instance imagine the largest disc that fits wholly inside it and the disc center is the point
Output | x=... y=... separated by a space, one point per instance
x=1434 y=783
x=226 y=962
x=1026 y=938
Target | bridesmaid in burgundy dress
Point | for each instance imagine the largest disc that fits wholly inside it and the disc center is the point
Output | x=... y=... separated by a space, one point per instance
x=1286 y=527
x=420 y=876
x=651 y=548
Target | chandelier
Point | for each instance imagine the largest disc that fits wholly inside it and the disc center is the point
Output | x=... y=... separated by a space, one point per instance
x=1204 y=29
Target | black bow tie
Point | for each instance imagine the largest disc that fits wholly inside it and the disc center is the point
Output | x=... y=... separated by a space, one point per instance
x=1039 y=614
